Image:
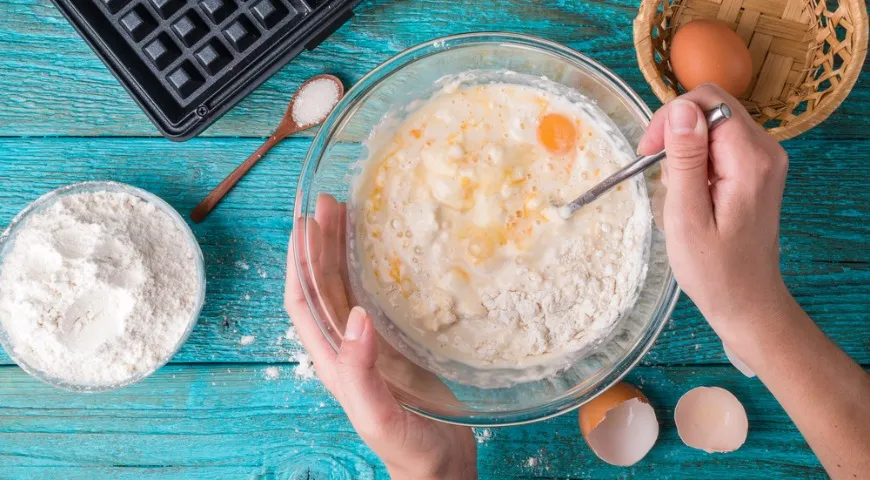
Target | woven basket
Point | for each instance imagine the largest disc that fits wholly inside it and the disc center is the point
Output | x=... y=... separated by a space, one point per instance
x=806 y=56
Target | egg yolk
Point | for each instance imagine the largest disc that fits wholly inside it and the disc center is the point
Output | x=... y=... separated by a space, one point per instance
x=557 y=133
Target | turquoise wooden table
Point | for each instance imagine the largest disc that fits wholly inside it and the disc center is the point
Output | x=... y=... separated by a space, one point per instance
x=217 y=412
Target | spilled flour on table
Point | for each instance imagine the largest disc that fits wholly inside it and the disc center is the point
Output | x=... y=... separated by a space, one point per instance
x=305 y=367
x=262 y=272
x=537 y=461
x=482 y=435
x=271 y=373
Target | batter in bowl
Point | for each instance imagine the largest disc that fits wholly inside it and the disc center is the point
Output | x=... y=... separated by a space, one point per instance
x=457 y=228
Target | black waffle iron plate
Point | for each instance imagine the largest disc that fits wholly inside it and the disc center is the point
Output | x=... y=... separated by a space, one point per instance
x=186 y=62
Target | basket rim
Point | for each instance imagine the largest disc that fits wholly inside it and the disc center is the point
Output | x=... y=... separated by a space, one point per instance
x=642 y=37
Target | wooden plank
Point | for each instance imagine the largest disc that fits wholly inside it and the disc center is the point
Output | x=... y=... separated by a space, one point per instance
x=230 y=421
x=54 y=85
x=182 y=423
x=824 y=234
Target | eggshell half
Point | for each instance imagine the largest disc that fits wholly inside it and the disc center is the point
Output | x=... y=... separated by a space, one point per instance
x=711 y=419
x=619 y=425
x=594 y=411
x=738 y=364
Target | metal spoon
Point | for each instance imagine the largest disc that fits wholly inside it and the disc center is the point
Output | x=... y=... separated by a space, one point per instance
x=287 y=127
x=717 y=115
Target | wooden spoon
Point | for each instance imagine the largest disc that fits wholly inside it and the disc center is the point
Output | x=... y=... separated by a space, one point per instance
x=287 y=127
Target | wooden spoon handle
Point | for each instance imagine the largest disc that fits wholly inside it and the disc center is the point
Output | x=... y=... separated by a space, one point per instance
x=208 y=203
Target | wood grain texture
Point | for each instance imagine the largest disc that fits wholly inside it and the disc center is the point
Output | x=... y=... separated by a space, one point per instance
x=214 y=414
x=218 y=421
x=53 y=84
x=824 y=230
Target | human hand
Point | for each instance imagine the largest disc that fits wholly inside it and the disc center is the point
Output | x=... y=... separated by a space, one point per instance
x=722 y=206
x=721 y=223
x=412 y=447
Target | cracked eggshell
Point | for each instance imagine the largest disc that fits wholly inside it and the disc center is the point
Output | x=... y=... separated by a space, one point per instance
x=619 y=425
x=711 y=419
x=738 y=364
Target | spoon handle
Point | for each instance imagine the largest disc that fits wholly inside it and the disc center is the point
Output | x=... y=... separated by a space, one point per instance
x=717 y=115
x=205 y=207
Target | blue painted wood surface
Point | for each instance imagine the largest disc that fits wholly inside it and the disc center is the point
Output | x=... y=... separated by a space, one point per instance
x=214 y=414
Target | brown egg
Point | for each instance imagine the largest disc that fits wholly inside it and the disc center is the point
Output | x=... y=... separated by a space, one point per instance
x=706 y=50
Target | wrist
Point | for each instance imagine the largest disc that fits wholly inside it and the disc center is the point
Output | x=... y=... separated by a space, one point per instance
x=751 y=325
x=458 y=470
x=745 y=308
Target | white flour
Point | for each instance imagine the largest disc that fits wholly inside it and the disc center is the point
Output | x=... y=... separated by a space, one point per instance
x=571 y=296
x=305 y=367
x=271 y=373
x=98 y=288
x=482 y=435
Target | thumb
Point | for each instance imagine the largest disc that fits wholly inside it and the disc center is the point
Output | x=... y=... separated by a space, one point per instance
x=687 y=156
x=363 y=392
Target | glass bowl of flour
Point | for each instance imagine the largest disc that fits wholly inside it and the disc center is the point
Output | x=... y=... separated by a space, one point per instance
x=450 y=160
x=100 y=285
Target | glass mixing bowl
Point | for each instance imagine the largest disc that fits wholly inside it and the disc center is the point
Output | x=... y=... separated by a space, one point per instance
x=7 y=243
x=460 y=393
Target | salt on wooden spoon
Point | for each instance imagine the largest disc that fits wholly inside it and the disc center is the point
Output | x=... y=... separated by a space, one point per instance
x=310 y=106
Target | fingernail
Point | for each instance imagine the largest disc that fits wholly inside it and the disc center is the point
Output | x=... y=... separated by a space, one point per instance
x=683 y=117
x=355 y=324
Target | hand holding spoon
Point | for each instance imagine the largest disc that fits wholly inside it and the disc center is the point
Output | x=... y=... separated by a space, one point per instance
x=717 y=115
x=319 y=96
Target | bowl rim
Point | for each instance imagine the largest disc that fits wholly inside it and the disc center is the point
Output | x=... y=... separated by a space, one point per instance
x=49 y=198
x=344 y=110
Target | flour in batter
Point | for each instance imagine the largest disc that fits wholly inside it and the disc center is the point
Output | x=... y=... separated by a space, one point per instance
x=459 y=240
